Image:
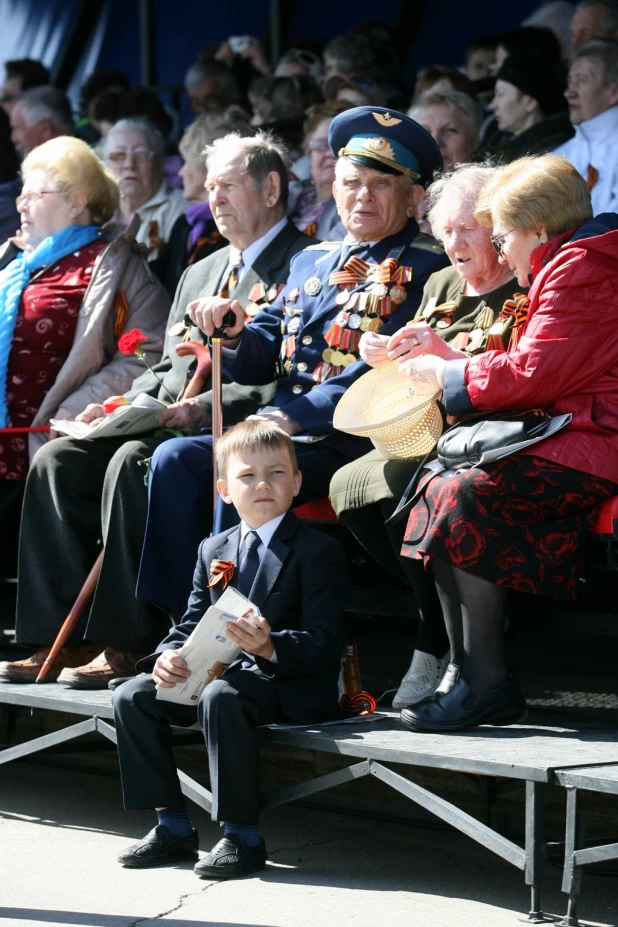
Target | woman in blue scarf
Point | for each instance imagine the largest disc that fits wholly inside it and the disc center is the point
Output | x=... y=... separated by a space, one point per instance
x=59 y=305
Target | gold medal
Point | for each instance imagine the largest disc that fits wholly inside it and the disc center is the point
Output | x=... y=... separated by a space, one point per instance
x=252 y=309
x=398 y=294
x=287 y=367
x=327 y=355
x=365 y=323
x=336 y=359
x=375 y=324
x=348 y=359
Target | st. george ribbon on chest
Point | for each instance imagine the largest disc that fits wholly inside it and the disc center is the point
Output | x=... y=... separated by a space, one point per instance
x=366 y=294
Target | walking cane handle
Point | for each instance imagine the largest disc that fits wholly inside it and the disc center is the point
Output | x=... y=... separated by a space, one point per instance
x=229 y=319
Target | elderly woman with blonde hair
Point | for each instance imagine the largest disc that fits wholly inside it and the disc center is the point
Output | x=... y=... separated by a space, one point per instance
x=519 y=523
x=459 y=306
x=66 y=295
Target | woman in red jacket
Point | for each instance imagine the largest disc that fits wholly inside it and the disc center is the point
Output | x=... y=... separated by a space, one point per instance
x=518 y=523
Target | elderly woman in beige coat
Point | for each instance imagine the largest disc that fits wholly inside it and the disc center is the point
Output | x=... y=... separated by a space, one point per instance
x=67 y=292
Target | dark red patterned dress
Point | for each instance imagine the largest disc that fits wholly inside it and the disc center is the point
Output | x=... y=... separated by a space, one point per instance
x=517 y=523
x=44 y=333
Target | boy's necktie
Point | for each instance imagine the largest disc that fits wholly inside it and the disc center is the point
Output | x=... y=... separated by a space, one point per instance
x=249 y=563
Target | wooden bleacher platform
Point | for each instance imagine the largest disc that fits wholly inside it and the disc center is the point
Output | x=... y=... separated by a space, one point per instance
x=534 y=755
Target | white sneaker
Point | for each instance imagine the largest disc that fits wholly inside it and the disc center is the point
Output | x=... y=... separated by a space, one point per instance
x=421 y=680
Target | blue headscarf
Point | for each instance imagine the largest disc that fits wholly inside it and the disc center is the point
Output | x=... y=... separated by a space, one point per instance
x=15 y=278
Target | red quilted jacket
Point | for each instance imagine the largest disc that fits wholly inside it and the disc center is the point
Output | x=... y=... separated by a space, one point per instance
x=567 y=358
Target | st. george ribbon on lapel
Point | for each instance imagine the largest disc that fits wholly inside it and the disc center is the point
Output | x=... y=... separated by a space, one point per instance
x=221 y=572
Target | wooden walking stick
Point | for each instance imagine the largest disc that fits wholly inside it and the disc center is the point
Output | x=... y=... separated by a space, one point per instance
x=72 y=618
x=194 y=388
x=217 y=404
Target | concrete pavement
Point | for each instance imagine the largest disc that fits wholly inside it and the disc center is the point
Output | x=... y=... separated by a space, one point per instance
x=60 y=833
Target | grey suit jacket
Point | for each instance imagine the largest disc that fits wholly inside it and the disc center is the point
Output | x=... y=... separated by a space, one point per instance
x=205 y=279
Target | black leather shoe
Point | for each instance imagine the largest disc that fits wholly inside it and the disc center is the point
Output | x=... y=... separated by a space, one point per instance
x=231 y=857
x=459 y=708
x=160 y=848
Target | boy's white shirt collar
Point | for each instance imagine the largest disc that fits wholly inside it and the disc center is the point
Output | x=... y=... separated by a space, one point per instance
x=265 y=532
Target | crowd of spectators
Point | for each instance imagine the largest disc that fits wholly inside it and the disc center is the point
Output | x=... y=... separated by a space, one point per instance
x=508 y=98
x=547 y=85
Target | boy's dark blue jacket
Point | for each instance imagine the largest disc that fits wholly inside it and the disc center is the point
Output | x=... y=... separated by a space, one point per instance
x=301 y=588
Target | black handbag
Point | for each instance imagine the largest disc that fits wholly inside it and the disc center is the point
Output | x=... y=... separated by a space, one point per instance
x=481 y=440
x=478 y=439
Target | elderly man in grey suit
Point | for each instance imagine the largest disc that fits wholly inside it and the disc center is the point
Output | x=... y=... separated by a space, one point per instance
x=82 y=492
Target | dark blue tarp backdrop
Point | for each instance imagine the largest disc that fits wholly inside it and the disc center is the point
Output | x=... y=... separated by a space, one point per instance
x=35 y=28
x=185 y=26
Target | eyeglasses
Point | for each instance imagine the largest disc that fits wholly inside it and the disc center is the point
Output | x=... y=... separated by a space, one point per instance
x=29 y=199
x=498 y=242
x=318 y=144
x=139 y=155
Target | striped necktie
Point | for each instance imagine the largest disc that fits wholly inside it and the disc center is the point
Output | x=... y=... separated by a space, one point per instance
x=230 y=284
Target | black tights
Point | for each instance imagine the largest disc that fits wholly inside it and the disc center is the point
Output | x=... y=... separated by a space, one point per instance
x=474 y=617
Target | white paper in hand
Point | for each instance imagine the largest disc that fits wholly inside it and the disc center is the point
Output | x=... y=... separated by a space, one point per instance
x=141 y=416
x=209 y=651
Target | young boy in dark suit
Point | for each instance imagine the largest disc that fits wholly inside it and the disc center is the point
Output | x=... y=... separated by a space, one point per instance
x=287 y=671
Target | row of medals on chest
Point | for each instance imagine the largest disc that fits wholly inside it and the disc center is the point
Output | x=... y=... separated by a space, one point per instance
x=360 y=311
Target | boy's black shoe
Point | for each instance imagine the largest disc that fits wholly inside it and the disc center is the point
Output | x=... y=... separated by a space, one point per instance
x=231 y=857
x=460 y=708
x=160 y=848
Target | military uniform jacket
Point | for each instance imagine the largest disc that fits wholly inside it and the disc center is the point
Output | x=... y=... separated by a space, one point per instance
x=314 y=323
x=465 y=321
x=205 y=279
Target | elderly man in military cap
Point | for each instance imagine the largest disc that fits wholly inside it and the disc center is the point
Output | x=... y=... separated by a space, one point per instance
x=309 y=338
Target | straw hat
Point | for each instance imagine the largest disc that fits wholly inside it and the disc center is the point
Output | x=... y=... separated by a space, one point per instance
x=384 y=406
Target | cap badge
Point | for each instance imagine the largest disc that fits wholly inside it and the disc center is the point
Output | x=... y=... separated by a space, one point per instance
x=380 y=146
x=385 y=119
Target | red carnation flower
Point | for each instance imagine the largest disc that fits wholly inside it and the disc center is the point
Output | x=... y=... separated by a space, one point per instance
x=131 y=341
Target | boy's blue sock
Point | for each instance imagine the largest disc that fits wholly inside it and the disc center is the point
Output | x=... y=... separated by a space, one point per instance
x=177 y=821
x=250 y=833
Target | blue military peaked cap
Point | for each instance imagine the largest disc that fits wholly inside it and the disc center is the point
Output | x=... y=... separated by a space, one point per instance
x=383 y=138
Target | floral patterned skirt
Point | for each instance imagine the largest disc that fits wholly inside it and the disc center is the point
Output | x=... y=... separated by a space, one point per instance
x=518 y=523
